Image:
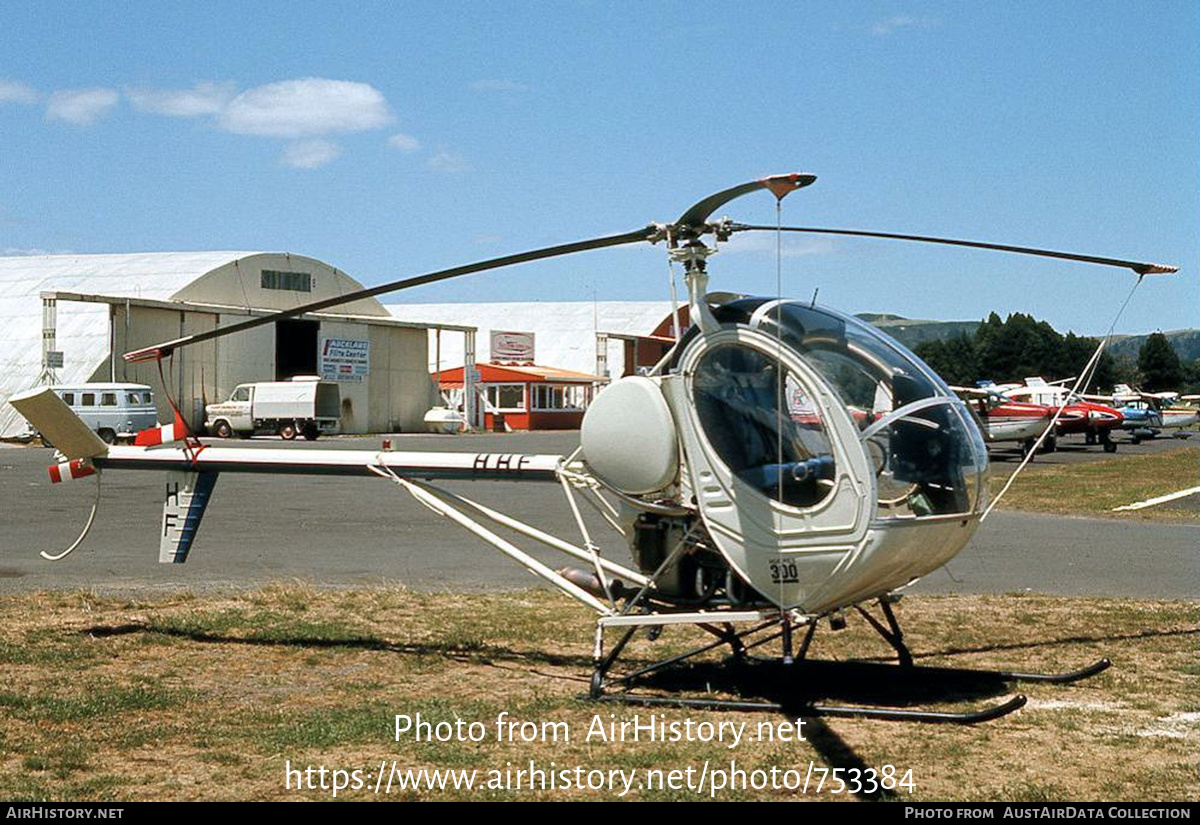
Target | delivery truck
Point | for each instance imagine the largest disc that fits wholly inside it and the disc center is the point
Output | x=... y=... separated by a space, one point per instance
x=305 y=405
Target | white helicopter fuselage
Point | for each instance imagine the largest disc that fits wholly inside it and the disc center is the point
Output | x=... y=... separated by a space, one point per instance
x=869 y=476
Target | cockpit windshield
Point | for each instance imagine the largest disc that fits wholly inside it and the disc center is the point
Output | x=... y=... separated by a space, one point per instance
x=929 y=459
x=767 y=431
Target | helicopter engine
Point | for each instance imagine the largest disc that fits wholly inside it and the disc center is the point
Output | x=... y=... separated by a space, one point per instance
x=787 y=454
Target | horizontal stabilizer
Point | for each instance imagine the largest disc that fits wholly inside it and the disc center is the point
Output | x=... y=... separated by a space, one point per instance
x=162 y=434
x=54 y=420
x=184 y=501
x=70 y=470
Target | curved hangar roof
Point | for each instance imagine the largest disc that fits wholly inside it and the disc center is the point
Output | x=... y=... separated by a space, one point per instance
x=233 y=279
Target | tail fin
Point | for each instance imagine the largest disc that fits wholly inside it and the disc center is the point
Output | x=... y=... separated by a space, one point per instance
x=51 y=417
x=184 y=502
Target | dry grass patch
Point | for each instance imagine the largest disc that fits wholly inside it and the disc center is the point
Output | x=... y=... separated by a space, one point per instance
x=1096 y=488
x=211 y=697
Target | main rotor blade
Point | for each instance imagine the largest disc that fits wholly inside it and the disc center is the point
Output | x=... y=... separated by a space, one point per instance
x=779 y=185
x=1139 y=267
x=167 y=347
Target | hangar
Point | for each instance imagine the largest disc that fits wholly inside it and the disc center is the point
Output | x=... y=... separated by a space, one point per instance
x=68 y=318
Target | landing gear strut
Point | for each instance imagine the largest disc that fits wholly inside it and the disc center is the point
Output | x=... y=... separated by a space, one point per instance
x=672 y=676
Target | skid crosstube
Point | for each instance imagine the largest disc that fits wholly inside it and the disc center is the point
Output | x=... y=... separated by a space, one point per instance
x=780 y=627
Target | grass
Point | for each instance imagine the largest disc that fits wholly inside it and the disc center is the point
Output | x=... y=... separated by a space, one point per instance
x=1094 y=489
x=215 y=696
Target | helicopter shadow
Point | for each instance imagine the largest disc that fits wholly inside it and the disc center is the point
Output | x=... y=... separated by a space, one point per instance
x=486 y=654
x=797 y=688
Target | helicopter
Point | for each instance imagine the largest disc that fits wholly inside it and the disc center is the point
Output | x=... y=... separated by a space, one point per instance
x=783 y=463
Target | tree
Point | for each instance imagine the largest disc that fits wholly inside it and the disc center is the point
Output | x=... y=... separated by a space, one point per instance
x=1159 y=364
x=1021 y=346
x=954 y=359
x=1191 y=376
x=1076 y=351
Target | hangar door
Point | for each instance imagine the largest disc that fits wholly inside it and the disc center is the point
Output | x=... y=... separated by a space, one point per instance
x=295 y=348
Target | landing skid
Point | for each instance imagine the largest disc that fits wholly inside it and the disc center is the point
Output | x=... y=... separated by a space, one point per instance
x=834 y=711
x=773 y=679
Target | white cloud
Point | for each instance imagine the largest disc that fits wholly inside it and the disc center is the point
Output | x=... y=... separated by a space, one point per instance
x=309 y=154
x=498 y=85
x=201 y=99
x=81 y=107
x=309 y=106
x=901 y=21
x=405 y=143
x=14 y=91
x=449 y=163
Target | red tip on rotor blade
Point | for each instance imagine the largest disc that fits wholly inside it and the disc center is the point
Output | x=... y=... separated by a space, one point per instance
x=782 y=185
x=140 y=355
x=1158 y=269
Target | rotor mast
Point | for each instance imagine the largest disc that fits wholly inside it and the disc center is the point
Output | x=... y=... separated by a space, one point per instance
x=686 y=247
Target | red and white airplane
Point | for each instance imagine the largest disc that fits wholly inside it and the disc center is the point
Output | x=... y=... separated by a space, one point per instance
x=1003 y=420
x=1079 y=414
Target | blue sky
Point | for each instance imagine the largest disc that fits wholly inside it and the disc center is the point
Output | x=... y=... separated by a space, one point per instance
x=393 y=139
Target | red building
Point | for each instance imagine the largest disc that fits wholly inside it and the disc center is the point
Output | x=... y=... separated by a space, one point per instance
x=644 y=351
x=526 y=396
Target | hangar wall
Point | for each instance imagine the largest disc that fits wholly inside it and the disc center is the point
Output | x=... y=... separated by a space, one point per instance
x=189 y=373
x=111 y=304
x=393 y=396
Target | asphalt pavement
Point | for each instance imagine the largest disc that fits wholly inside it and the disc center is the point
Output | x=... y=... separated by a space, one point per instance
x=346 y=532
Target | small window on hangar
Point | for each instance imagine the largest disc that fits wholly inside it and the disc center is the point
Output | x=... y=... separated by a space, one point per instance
x=290 y=281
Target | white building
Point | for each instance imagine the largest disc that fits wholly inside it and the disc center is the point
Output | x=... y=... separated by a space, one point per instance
x=68 y=319
x=564 y=332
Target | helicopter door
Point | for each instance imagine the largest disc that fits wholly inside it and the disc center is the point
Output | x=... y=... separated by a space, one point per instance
x=774 y=462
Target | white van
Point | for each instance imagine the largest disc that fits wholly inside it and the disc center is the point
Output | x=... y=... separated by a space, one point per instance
x=114 y=411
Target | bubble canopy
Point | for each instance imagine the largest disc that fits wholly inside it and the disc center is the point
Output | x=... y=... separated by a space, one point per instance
x=928 y=457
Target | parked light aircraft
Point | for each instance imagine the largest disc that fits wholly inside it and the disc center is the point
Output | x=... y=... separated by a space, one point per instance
x=783 y=463
x=1002 y=420
x=1146 y=414
x=1080 y=414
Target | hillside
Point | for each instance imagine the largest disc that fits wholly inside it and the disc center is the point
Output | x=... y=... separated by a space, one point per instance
x=1185 y=342
x=912 y=332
